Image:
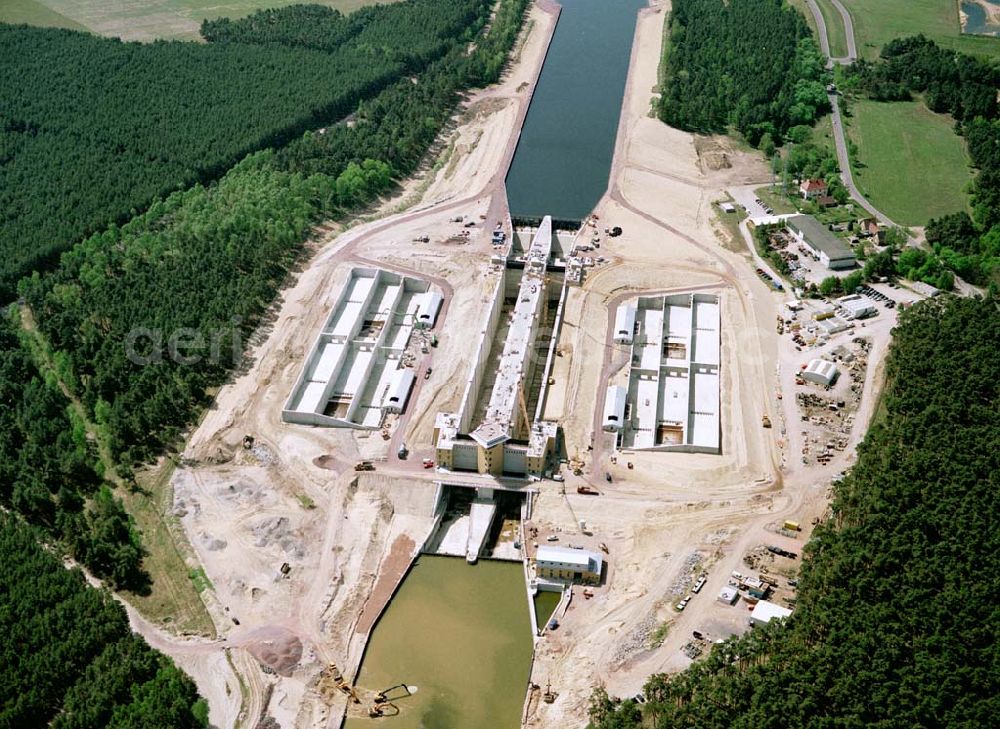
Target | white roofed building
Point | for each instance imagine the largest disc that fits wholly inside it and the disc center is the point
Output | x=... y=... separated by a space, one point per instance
x=614 y=409
x=625 y=323
x=428 y=307
x=764 y=612
x=820 y=371
x=566 y=563
x=398 y=391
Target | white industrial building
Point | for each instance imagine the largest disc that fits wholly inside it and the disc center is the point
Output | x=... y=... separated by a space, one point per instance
x=428 y=306
x=856 y=307
x=821 y=372
x=398 y=391
x=625 y=323
x=672 y=399
x=614 y=408
x=566 y=563
x=354 y=363
x=830 y=250
x=764 y=612
x=506 y=440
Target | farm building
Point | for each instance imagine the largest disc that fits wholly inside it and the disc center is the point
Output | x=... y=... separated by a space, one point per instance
x=566 y=563
x=764 y=612
x=821 y=372
x=614 y=409
x=831 y=251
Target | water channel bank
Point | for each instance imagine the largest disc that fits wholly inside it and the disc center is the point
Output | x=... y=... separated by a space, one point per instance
x=460 y=634
x=563 y=157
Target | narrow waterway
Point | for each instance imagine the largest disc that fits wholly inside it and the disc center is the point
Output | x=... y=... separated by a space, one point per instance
x=563 y=158
x=461 y=634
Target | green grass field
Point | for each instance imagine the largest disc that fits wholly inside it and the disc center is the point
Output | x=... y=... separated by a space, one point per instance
x=834 y=28
x=876 y=22
x=34 y=13
x=909 y=161
x=144 y=20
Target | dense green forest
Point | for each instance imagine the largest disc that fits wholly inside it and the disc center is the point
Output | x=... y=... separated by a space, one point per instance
x=895 y=622
x=749 y=65
x=208 y=261
x=93 y=129
x=965 y=87
x=47 y=472
x=68 y=658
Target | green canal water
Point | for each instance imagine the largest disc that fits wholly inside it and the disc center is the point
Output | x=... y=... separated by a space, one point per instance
x=545 y=605
x=461 y=634
x=563 y=158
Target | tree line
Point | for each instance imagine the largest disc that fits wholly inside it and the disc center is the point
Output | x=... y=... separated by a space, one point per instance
x=47 y=471
x=211 y=259
x=965 y=87
x=895 y=621
x=69 y=659
x=748 y=65
x=93 y=129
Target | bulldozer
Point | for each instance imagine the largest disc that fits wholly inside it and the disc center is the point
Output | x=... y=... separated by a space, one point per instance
x=248 y=441
x=765 y=421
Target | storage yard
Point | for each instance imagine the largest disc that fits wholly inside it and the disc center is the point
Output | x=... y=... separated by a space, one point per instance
x=719 y=439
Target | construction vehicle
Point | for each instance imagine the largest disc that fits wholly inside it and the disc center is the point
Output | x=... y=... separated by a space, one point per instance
x=248 y=441
x=604 y=547
x=587 y=491
x=792 y=526
x=364 y=466
x=765 y=421
x=422 y=239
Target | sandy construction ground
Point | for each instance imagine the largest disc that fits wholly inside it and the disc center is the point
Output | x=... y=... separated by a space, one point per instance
x=344 y=538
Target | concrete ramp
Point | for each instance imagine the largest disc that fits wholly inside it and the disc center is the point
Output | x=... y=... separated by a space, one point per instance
x=481 y=515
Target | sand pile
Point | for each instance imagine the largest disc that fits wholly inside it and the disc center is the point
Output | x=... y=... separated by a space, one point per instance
x=277 y=648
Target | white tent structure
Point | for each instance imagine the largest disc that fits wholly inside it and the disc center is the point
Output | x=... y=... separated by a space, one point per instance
x=820 y=371
x=398 y=391
x=614 y=409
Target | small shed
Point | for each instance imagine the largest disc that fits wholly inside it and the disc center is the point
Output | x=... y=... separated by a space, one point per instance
x=764 y=612
x=729 y=595
x=727 y=207
x=820 y=371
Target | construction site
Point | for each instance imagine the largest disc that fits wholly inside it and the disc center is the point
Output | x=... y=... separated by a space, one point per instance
x=453 y=412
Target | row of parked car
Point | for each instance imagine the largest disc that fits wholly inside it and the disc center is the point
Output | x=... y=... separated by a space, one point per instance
x=878 y=295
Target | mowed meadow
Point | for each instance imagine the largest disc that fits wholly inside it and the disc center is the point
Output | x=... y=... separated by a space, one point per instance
x=146 y=20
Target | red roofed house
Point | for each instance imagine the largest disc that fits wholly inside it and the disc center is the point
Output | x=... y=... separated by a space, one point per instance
x=812 y=189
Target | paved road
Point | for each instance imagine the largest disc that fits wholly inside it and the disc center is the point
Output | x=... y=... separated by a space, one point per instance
x=839 y=138
x=824 y=38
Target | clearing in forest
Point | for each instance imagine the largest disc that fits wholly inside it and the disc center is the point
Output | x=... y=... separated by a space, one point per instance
x=913 y=165
x=876 y=22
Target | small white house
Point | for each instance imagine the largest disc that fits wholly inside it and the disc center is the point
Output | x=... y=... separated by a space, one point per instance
x=427 y=309
x=566 y=563
x=614 y=409
x=625 y=323
x=820 y=371
x=398 y=391
x=764 y=612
